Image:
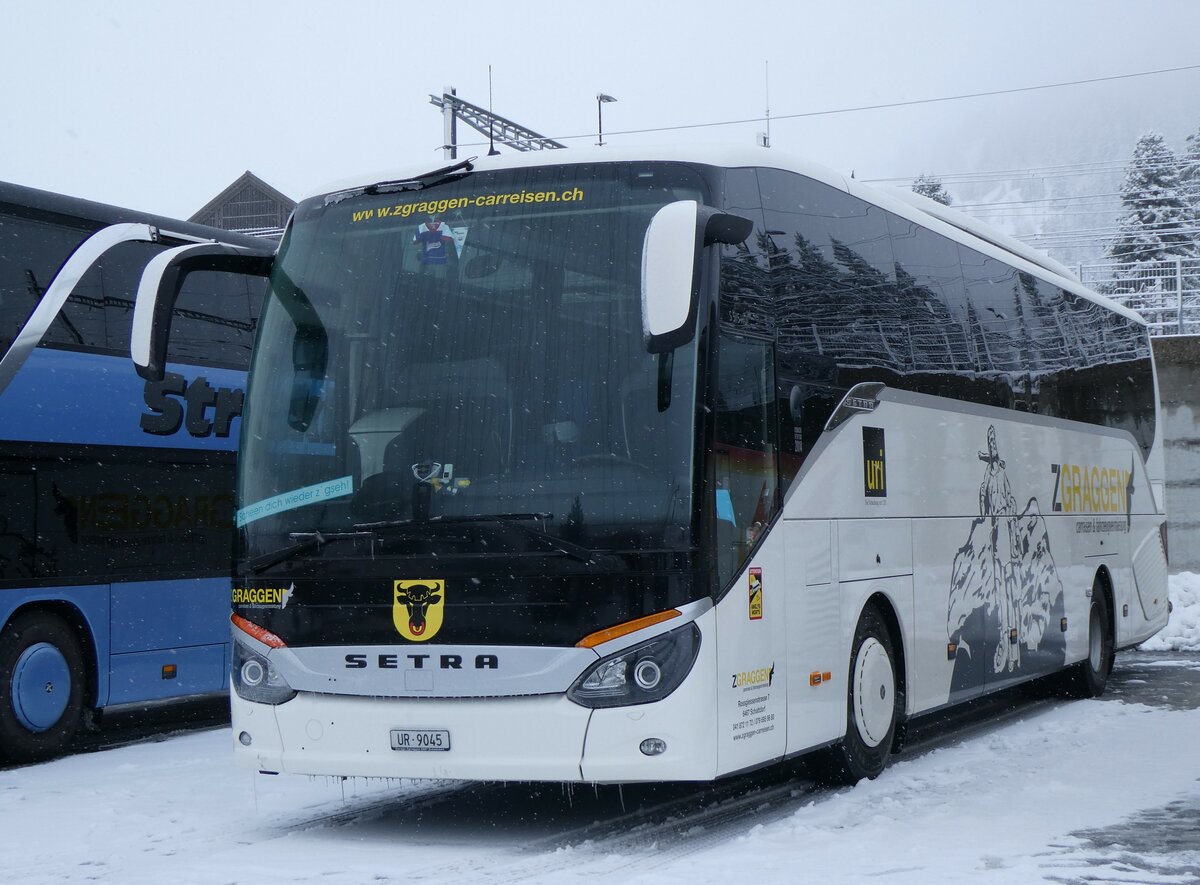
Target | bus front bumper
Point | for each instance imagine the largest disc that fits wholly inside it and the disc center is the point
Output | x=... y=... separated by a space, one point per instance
x=533 y=738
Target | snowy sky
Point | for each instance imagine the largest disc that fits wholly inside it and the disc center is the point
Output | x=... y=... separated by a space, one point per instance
x=158 y=106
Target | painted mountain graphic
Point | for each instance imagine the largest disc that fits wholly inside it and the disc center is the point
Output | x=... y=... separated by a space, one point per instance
x=1004 y=588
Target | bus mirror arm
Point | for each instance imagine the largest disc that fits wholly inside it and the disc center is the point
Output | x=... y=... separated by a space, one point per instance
x=722 y=227
x=159 y=289
x=671 y=263
x=63 y=285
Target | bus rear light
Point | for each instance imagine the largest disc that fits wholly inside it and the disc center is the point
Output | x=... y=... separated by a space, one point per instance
x=1162 y=533
x=262 y=634
x=609 y=633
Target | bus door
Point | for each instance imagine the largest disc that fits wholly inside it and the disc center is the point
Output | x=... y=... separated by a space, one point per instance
x=752 y=614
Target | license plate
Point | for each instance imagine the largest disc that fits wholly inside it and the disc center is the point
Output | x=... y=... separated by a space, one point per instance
x=420 y=739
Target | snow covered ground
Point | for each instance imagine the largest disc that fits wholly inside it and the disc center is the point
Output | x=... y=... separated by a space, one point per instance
x=1103 y=790
x=1182 y=632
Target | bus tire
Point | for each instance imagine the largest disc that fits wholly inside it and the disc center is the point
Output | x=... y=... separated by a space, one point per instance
x=1088 y=678
x=42 y=682
x=872 y=706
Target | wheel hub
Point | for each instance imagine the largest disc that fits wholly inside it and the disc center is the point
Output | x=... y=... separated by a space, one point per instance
x=874 y=692
x=1095 y=640
x=41 y=687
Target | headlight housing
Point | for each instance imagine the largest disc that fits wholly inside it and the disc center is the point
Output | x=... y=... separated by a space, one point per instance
x=254 y=679
x=642 y=674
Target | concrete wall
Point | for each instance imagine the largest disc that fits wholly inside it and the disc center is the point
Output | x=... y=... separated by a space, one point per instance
x=1178 y=362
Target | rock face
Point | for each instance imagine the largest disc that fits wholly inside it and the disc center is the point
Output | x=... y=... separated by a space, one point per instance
x=1177 y=359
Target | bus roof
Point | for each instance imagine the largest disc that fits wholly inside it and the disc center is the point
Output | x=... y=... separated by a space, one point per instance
x=103 y=214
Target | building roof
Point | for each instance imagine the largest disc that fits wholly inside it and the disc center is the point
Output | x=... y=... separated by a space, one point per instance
x=228 y=209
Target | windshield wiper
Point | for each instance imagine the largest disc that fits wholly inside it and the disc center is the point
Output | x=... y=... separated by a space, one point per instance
x=304 y=541
x=571 y=549
x=420 y=182
x=516 y=520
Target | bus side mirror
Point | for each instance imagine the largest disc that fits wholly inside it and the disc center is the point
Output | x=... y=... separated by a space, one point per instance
x=671 y=262
x=159 y=289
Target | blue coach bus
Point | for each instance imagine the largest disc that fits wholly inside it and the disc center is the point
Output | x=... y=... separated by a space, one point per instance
x=116 y=495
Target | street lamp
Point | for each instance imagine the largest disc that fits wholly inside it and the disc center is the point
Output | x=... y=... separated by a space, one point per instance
x=601 y=101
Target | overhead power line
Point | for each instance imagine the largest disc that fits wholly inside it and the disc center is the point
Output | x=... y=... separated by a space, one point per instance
x=1096 y=167
x=885 y=105
x=1011 y=204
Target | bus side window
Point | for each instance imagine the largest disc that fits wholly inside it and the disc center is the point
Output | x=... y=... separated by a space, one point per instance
x=745 y=449
x=214 y=320
x=31 y=253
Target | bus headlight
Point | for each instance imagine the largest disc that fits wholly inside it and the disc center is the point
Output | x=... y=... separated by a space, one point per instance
x=642 y=674
x=255 y=679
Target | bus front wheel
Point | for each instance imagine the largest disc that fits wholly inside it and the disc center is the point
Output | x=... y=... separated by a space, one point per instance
x=1089 y=677
x=42 y=677
x=872 y=706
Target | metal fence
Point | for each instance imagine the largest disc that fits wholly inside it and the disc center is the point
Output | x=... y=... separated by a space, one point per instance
x=1166 y=293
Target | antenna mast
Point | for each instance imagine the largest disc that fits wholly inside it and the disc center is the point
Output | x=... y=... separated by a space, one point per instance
x=491 y=119
x=764 y=138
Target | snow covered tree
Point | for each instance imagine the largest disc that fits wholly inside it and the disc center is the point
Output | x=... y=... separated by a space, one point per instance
x=931 y=186
x=1156 y=223
x=1189 y=179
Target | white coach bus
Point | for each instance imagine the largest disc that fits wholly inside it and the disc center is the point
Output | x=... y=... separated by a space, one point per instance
x=615 y=467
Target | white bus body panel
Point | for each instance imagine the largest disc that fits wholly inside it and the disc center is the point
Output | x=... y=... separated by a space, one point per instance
x=816 y=713
x=980 y=508
x=751 y=681
x=524 y=739
x=684 y=720
x=1054 y=533
x=532 y=738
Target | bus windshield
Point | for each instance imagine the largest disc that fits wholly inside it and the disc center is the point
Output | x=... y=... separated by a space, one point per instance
x=467 y=352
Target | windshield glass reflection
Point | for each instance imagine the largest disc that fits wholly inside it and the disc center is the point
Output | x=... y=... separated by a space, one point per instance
x=469 y=350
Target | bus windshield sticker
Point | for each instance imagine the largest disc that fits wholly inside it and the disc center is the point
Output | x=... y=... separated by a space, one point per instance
x=417 y=607
x=475 y=201
x=756 y=594
x=263 y=597
x=314 y=494
x=433 y=237
x=725 y=507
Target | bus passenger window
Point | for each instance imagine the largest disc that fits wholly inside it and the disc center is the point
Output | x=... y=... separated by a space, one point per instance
x=746 y=451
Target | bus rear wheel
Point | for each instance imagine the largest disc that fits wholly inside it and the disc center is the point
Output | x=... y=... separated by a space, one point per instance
x=872 y=706
x=42 y=676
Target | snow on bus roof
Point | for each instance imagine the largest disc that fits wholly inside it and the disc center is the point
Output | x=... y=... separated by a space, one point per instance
x=728 y=156
x=949 y=222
